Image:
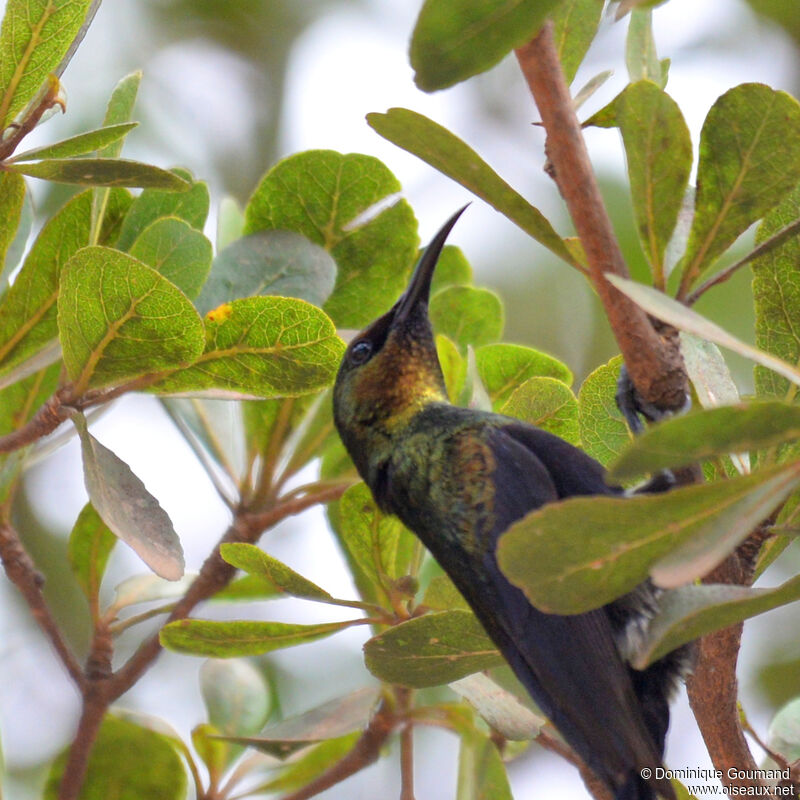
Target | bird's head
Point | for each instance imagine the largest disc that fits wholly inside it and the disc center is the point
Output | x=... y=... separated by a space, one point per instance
x=390 y=370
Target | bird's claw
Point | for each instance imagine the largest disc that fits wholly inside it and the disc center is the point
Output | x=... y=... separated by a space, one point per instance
x=631 y=404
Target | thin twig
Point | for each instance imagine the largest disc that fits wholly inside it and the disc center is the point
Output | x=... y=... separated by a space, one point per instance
x=22 y=572
x=594 y=785
x=96 y=701
x=365 y=752
x=43 y=422
x=713 y=689
x=215 y=574
x=792 y=229
x=653 y=361
x=49 y=98
x=750 y=731
x=404 y=702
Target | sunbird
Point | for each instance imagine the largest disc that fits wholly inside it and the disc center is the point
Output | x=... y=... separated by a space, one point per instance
x=458 y=478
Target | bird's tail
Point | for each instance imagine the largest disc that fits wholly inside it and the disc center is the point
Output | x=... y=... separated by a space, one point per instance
x=635 y=788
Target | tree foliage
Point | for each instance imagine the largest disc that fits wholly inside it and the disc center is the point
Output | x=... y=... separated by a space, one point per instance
x=120 y=293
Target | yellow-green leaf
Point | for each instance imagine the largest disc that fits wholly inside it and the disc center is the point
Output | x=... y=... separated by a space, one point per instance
x=119 y=319
x=262 y=347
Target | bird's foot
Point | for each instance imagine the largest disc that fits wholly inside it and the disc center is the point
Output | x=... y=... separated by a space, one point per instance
x=631 y=404
x=633 y=407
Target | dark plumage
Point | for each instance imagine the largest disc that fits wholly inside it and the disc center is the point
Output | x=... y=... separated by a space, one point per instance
x=458 y=478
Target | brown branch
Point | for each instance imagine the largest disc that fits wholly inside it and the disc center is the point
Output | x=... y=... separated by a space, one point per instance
x=654 y=362
x=404 y=697
x=95 y=704
x=365 y=752
x=49 y=99
x=103 y=687
x=43 y=422
x=594 y=785
x=61 y=405
x=22 y=572
x=216 y=573
x=713 y=688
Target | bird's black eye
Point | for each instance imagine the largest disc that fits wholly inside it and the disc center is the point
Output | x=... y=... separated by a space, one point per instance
x=360 y=352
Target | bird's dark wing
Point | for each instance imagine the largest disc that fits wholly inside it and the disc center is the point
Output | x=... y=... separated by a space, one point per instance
x=569 y=664
x=570 y=469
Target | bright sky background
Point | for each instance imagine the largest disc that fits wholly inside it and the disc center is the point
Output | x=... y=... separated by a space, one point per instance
x=348 y=63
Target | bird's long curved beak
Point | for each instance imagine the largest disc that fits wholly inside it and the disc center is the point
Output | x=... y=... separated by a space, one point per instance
x=419 y=287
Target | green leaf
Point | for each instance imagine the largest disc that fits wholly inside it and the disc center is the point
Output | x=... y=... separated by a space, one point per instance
x=118 y=112
x=749 y=161
x=329 y=198
x=35 y=36
x=581 y=96
x=77 y=145
x=447 y=153
x=118 y=203
x=452 y=269
x=456 y=39
x=693 y=611
x=28 y=309
x=641 y=58
x=236 y=695
x=481 y=771
x=270 y=263
x=504 y=367
x=603 y=432
x=13 y=249
x=263 y=347
x=784 y=731
x=102 y=172
x=129 y=510
x=454 y=367
x=41 y=360
x=331 y=720
x=19 y=402
x=708 y=372
x=90 y=544
x=305 y=768
x=659 y=155
x=629 y=538
x=127 y=762
x=119 y=319
x=230 y=223
x=12 y=199
x=191 y=206
x=776 y=296
x=431 y=650
x=467 y=315
x=499 y=708
x=575 y=24
x=442 y=595
x=379 y=544
x=474 y=393
x=246 y=589
x=703 y=434
x=547 y=403
x=149 y=588
x=253 y=560
x=213 y=752
x=242 y=638
x=177 y=251
x=119 y=109
x=665 y=308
